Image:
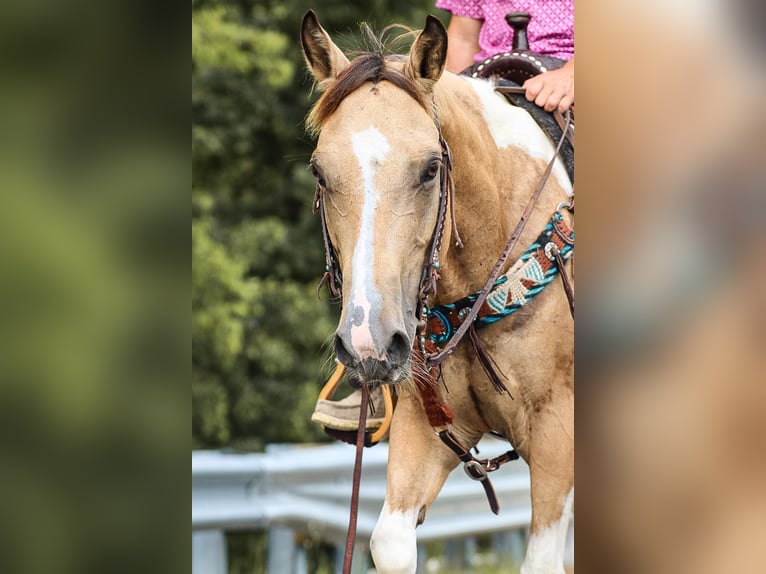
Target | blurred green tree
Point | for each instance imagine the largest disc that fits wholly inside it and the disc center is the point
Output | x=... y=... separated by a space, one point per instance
x=259 y=334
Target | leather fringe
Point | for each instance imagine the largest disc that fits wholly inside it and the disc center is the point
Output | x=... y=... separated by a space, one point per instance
x=488 y=363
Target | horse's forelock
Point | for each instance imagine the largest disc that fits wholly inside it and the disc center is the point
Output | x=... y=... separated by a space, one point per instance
x=372 y=67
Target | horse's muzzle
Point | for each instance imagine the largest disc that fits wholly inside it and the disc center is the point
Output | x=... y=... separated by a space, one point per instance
x=391 y=367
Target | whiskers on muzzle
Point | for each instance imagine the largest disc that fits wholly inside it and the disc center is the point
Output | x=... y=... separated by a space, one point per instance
x=373 y=373
x=383 y=367
x=407 y=377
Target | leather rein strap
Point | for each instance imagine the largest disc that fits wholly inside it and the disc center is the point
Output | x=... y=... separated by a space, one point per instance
x=354 y=512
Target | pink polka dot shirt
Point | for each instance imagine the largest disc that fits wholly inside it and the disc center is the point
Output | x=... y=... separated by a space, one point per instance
x=550 y=31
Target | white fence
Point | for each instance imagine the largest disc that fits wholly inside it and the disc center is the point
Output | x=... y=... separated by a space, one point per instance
x=307 y=490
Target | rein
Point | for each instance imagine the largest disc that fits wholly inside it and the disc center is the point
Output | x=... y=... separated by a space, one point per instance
x=354 y=511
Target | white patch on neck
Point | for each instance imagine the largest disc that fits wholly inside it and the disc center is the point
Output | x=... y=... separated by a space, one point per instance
x=370 y=148
x=511 y=125
x=545 y=549
x=394 y=544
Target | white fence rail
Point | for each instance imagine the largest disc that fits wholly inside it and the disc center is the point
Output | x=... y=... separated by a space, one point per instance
x=294 y=489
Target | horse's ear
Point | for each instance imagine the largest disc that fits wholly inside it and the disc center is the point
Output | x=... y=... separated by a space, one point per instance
x=428 y=54
x=324 y=58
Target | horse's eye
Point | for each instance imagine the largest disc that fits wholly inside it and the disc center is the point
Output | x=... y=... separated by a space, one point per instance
x=318 y=175
x=430 y=172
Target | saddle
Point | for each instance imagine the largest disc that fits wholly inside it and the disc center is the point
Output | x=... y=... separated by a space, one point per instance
x=512 y=69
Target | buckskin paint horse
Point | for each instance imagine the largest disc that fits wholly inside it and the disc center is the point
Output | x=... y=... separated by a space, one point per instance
x=379 y=163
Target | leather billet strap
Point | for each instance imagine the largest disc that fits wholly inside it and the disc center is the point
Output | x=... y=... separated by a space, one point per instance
x=477 y=469
x=440 y=417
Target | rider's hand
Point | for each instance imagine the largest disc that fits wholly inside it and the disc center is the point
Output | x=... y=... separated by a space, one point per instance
x=553 y=89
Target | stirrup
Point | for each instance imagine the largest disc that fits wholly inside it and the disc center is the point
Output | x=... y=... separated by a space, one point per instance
x=371 y=438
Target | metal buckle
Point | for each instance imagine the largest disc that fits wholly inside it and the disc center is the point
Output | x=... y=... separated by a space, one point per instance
x=475 y=470
x=567 y=204
x=550 y=249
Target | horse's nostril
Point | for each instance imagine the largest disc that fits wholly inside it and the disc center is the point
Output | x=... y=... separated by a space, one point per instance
x=344 y=355
x=398 y=350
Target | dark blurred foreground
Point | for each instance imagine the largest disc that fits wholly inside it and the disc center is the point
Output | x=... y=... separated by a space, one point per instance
x=670 y=335
x=94 y=173
x=671 y=397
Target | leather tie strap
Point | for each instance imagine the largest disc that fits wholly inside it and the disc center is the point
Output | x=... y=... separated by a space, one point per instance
x=477 y=469
x=354 y=512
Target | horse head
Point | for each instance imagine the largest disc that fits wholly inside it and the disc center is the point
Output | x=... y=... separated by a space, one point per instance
x=378 y=165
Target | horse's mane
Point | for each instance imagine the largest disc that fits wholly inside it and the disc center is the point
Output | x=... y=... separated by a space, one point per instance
x=372 y=66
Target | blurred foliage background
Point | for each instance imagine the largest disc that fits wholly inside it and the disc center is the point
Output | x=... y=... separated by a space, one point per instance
x=260 y=335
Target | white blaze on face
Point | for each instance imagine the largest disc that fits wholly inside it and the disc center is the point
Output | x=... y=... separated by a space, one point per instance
x=545 y=549
x=370 y=148
x=394 y=544
x=513 y=126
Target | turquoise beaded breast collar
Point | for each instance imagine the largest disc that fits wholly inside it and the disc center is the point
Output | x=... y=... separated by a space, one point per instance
x=535 y=269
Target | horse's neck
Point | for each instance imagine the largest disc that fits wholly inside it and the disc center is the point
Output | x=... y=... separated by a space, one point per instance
x=493 y=182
